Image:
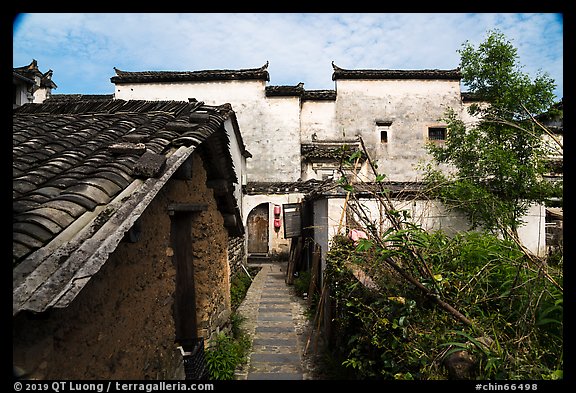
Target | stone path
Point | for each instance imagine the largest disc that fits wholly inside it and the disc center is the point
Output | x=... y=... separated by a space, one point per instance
x=275 y=320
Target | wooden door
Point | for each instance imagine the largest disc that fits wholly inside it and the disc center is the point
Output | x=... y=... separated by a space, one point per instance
x=185 y=298
x=258 y=223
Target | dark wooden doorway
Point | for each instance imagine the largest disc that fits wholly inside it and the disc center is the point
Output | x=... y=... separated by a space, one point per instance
x=185 y=297
x=258 y=224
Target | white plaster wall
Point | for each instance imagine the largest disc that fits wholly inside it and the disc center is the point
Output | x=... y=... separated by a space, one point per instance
x=274 y=127
x=270 y=127
x=21 y=95
x=41 y=95
x=318 y=117
x=465 y=116
x=276 y=149
x=211 y=93
x=411 y=105
x=432 y=215
x=320 y=222
x=533 y=232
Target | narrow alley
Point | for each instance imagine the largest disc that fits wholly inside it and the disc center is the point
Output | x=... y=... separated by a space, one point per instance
x=279 y=328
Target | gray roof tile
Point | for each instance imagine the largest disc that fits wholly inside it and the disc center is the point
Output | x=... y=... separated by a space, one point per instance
x=62 y=218
x=72 y=208
x=82 y=200
x=23 y=205
x=46 y=223
x=63 y=170
x=50 y=192
x=26 y=239
x=108 y=186
x=114 y=177
x=33 y=230
x=89 y=191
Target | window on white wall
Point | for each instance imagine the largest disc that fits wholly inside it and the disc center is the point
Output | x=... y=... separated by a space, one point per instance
x=383 y=130
x=436 y=133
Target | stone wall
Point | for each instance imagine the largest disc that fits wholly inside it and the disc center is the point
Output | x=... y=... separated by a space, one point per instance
x=236 y=253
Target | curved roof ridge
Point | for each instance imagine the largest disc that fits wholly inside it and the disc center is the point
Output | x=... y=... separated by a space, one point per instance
x=341 y=73
x=122 y=76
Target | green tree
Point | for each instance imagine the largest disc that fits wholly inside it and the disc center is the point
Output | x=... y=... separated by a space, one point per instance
x=498 y=162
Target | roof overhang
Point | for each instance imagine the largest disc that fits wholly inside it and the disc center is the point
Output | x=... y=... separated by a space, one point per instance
x=55 y=274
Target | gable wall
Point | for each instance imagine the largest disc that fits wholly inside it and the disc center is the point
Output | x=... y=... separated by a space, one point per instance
x=270 y=127
x=411 y=105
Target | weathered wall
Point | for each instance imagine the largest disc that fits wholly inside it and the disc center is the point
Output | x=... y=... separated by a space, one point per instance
x=411 y=105
x=276 y=148
x=239 y=162
x=429 y=214
x=121 y=325
x=21 y=94
x=320 y=220
x=210 y=252
x=270 y=127
x=41 y=95
x=274 y=127
x=319 y=119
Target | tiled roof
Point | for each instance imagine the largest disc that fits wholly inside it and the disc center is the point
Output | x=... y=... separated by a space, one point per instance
x=281 y=187
x=78 y=97
x=329 y=188
x=319 y=95
x=469 y=97
x=276 y=91
x=298 y=90
x=83 y=172
x=340 y=73
x=333 y=189
x=190 y=76
x=328 y=150
x=29 y=72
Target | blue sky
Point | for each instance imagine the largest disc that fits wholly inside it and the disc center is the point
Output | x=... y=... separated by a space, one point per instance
x=83 y=49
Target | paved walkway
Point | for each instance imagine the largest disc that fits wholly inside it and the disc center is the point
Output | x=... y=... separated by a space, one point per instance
x=275 y=320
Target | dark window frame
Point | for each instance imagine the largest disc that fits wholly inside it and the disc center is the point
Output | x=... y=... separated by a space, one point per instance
x=437 y=134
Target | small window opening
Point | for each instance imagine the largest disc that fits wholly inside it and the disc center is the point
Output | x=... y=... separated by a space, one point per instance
x=437 y=133
x=383 y=126
x=384 y=136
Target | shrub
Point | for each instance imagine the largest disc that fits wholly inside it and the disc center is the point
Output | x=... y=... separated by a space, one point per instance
x=396 y=333
x=226 y=355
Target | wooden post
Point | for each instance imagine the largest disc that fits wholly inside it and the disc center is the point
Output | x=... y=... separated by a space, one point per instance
x=314 y=272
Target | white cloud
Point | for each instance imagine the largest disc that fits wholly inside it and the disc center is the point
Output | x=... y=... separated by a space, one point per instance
x=82 y=49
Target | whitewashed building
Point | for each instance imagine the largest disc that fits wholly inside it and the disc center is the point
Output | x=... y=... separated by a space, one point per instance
x=31 y=85
x=295 y=137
